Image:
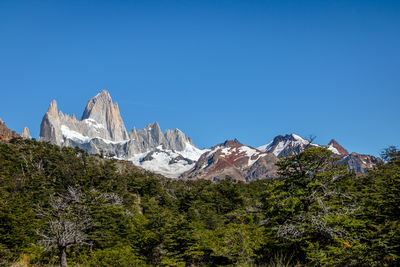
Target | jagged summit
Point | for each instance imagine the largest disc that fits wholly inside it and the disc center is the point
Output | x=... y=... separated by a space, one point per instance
x=53 y=109
x=293 y=143
x=97 y=104
x=232 y=143
x=103 y=111
x=286 y=145
x=152 y=136
x=336 y=148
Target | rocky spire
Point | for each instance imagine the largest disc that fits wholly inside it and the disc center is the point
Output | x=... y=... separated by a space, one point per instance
x=103 y=111
x=156 y=133
x=25 y=133
x=53 y=110
x=176 y=139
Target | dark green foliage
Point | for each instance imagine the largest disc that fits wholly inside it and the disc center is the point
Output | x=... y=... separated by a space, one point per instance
x=381 y=203
x=312 y=210
x=317 y=213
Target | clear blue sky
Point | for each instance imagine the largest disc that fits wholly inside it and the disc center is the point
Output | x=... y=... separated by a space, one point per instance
x=214 y=69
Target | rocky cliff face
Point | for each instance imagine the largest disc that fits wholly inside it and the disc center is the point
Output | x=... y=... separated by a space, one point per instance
x=101 y=130
x=103 y=113
x=235 y=160
x=5 y=133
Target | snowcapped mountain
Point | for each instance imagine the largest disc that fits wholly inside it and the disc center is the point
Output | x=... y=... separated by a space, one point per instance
x=101 y=130
x=286 y=145
x=291 y=143
x=235 y=160
x=170 y=163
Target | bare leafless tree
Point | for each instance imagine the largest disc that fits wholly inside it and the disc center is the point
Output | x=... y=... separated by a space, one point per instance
x=67 y=219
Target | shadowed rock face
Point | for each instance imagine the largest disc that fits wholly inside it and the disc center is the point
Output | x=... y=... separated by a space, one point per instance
x=235 y=160
x=359 y=162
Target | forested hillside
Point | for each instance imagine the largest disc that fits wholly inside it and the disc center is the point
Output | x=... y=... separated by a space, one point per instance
x=62 y=206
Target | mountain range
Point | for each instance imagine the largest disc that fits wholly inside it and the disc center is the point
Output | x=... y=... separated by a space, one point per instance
x=171 y=153
x=101 y=130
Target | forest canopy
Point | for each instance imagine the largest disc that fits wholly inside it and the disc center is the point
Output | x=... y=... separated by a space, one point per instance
x=63 y=206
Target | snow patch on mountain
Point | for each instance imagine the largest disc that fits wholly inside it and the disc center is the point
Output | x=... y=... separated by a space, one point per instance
x=94 y=124
x=73 y=135
x=300 y=139
x=253 y=154
x=264 y=147
x=167 y=162
x=283 y=145
x=191 y=152
x=333 y=149
x=82 y=139
x=161 y=163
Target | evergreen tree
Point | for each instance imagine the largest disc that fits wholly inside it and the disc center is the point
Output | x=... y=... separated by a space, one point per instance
x=309 y=210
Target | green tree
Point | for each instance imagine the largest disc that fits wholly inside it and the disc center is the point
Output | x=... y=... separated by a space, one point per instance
x=381 y=208
x=309 y=210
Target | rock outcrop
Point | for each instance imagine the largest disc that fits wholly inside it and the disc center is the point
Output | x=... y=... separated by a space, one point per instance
x=25 y=133
x=5 y=133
